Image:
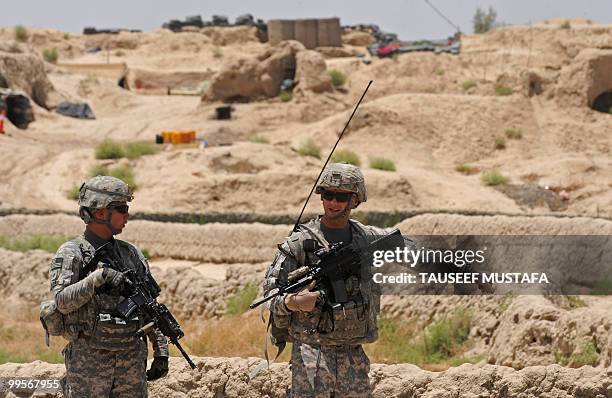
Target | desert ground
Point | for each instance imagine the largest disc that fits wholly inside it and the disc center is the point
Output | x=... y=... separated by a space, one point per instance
x=517 y=100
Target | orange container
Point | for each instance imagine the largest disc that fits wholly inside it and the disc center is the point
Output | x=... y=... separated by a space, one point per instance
x=176 y=137
x=167 y=136
x=192 y=135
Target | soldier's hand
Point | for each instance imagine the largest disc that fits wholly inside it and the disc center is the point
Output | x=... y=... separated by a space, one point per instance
x=112 y=277
x=304 y=300
x=159 y=368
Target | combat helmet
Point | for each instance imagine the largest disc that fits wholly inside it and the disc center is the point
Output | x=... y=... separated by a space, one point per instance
x=343 y=176
x=99 y=192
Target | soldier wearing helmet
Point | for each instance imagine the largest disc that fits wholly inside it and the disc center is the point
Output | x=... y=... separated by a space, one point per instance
x=327 y=361
x=103 y=357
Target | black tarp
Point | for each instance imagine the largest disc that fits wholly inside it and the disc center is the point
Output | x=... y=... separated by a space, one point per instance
x=79 y=110
x=19 y=110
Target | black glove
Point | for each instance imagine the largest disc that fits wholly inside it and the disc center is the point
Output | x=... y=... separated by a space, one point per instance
x=159 y=368
x=112 y=277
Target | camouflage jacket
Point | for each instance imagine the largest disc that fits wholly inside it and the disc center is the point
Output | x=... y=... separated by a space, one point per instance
x=353 y=323
x=89 y=312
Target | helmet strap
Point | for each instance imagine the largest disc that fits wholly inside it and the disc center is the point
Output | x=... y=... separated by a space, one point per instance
x=107 y=222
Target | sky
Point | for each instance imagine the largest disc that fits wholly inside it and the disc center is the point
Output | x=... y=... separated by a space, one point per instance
x=410 y=19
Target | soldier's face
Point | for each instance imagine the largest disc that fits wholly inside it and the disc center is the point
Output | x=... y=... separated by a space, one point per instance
x=335 y=203
x=118 y=216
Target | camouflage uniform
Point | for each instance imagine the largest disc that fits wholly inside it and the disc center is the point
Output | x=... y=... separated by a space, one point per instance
x=103 y=357
x=329 y=361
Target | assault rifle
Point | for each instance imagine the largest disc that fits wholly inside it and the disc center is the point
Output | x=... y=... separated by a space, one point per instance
x=335 y=265
x=141 y=295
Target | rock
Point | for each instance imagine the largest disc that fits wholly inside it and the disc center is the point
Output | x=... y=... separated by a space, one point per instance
x=26 y=71
x=357 y=38
x=311 y=72
x=261 y=77
x=229 y=377
x=336 y=52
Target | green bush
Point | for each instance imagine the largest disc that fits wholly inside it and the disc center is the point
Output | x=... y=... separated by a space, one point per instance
x=48 y=243
x=503 y=90
x=109 y=149
x=285 y=96
x=565 y=25
x=443 y=337
x=145 y=253
x=440 y=72
x=468 y=84
x=466 y=168
x=587 y=354
x=500 y=143
x=346 y=155
x=73 y=192
x=259 y=139
x=483 y=22
x=493 y=177
x=134 y=150
x=514 y=133
x=239 y=302
x=309 y=148
x=381 y=163
x=50 y=55
x=21 y=33
x=124 y=173
x=337 y=77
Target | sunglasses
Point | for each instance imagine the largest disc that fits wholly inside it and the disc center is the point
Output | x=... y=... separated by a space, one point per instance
x=123 y=209
x=339 y=196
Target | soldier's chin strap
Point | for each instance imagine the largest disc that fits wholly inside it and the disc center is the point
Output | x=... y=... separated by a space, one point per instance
x=107 y=221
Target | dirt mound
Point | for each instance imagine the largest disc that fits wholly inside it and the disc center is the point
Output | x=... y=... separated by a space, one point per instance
x=222 y=36
x=228 y=377
x=261 y=76
x=447 y=224
x=533 y=331
x=27 y=72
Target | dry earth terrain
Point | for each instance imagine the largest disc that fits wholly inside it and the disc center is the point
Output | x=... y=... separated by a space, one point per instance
x=426 y=113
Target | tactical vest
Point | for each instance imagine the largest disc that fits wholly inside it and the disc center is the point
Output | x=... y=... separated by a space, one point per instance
x=97 y=320
x=355 y=322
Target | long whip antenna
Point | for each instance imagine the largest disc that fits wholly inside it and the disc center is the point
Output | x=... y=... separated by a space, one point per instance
x=295 y=227
x=443 y=16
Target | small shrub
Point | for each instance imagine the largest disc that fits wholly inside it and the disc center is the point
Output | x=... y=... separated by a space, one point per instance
x=239 y=302
x=493 y=177
x=48 y=243
x=468 y=84
x=346 y=155
x=259 y=139
x=66 y=36
x=443 y=337
x=500 y=143
x=217 y=52
x=565 y=25
x=503 y=90
x=440 y=72
x=50 y=55
x=119 y=53
x=21 y=33
x=73 y=192
x=285 y=96
x=576 y=302
x=134 y=150
x=109 y=149
x=466 y=169
x=337 y=77
x=381 y=163
x=514 y=133
x=587 y=355
x=309 y=148
x=145 y=253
